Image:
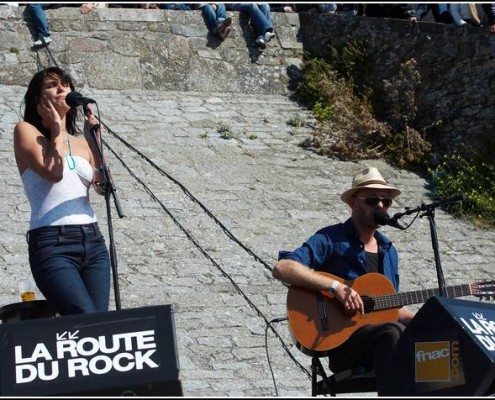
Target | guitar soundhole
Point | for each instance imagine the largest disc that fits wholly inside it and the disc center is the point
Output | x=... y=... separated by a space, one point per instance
x=369 y=303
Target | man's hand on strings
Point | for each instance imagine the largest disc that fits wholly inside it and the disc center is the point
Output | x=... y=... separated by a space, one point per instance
x=350 y=299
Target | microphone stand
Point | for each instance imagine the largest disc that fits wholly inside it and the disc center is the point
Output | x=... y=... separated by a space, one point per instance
x=109 y=190
x=429 y=212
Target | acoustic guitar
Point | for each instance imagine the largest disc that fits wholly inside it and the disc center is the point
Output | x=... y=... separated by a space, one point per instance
x=318 y=322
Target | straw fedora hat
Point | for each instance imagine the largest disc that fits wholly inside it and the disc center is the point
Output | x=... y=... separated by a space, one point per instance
x=368 y=178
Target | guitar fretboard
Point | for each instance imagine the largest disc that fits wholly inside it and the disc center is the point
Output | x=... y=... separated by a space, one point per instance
x=413 y=297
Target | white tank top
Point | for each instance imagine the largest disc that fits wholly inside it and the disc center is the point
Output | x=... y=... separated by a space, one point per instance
x=61 y=203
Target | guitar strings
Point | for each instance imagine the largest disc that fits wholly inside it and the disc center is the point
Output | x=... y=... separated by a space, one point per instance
x=417 y=296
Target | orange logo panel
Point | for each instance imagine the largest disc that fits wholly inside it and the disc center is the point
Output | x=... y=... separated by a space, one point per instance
x=432 y=361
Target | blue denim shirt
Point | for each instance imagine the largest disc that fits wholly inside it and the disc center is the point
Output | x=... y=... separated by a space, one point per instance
x=338 y=250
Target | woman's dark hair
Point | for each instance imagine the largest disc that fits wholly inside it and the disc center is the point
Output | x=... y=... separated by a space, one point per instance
x=33 y=95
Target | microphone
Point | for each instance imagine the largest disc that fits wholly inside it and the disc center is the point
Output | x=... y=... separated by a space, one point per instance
x=75 y=99
x=382 y=218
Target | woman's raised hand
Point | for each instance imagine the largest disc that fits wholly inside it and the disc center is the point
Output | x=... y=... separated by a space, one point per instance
x=48 y=113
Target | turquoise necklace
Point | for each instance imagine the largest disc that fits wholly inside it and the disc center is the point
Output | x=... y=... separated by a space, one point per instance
x=71 y=163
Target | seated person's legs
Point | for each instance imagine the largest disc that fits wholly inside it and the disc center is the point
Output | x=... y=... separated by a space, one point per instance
x=216 y=19
x=37 y=12
x=369 y=346
x=210 y=17
x=175 y=6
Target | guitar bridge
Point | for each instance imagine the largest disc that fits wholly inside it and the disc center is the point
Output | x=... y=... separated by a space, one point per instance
x=322 y=311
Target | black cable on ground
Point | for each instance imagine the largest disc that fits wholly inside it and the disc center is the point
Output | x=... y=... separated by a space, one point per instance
x=194 y=199
x=191 y=238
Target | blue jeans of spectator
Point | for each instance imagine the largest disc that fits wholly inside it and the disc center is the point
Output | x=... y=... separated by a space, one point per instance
x=71 y=267
x=37 y=11
x=259 y=13
x=175 y=6
x=214 y=17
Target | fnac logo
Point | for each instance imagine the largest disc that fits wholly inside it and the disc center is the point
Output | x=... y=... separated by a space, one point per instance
x=432 y=360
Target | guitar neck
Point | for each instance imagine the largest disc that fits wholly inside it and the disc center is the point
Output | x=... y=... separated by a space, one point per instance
x=417 y=296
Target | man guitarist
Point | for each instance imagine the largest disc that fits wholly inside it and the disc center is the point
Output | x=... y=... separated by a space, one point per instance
x=348 y=250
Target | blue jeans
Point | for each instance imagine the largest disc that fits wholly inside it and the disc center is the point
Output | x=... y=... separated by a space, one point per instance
x=175 y=6
x=259 y=13
x=37 y=11
x=214 y=17
x=71 y=267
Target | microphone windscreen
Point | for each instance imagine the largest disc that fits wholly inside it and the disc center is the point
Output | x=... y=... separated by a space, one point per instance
x=73 y=99
x=381 y=217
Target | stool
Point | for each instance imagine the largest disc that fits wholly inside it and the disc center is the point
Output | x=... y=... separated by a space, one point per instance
x=26 y=310
x=354 y=380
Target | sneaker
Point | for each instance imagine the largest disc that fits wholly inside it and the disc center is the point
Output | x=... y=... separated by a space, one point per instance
x=269 y=36
x=222 y=26
x=261 y=42
x=223 y=34
x=44 y=40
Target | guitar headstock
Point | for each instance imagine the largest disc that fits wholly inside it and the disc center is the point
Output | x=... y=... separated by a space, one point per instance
x=483 y=290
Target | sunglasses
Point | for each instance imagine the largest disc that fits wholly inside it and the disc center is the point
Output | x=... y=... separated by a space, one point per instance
x=373 y=201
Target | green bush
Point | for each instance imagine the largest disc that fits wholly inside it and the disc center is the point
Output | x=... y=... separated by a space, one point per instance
x=348 y=127
x=471 y=175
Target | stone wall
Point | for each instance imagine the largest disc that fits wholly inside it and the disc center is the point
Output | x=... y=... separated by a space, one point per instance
x=456 y=66
x=120 y=48
x=126 y=49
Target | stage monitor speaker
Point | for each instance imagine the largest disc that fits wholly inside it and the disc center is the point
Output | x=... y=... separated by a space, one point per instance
x=448 y=349
x=115 y=353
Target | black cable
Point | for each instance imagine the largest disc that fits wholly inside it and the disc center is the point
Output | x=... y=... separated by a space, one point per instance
x=39 y=64
x=266 y=348
x=198 y=246
x=191 y=238
x=194 y=199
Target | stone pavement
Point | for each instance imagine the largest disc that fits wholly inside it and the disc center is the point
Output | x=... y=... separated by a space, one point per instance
x=212 y=187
